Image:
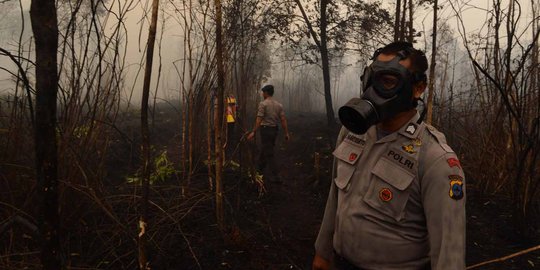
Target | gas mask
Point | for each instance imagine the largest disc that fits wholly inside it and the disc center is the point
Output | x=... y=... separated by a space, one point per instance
x=387 y=90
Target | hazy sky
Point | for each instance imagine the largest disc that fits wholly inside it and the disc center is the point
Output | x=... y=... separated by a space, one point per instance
x=474 y=15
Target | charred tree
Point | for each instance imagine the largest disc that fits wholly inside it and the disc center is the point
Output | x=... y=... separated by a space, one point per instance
x=402 y=24
x=506 y=75
x=326 y=65
x=146 y=152
x=410 y=33
x=322 y=44
x=45 y=28
x=397 y=21
x=431 y=87
x=218 y=123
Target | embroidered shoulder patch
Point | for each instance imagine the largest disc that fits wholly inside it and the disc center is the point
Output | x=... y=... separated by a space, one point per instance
x=453 y=162
x=456 y=187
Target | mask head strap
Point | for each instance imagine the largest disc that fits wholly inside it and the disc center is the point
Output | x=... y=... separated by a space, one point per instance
x=375 y=54
x=424 y=110
x=404 y=54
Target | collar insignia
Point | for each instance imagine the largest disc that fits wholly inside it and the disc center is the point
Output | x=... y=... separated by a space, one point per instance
x=411 y=129
x=409 y=148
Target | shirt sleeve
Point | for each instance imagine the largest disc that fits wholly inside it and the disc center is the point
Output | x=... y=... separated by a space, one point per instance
x=260 y=110
x=443 y=197
x=324 y=244
x=281 y=111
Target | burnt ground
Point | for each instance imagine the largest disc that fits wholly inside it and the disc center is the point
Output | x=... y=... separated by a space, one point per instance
x=273 y=231
x=278 y=230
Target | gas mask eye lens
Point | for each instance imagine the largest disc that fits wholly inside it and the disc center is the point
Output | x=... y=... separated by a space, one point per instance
x=388 y=81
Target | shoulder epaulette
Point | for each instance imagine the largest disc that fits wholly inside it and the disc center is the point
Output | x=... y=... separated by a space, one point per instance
x=441 y=139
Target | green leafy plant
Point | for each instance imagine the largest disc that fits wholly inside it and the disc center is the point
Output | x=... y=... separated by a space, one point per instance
x=163 y=169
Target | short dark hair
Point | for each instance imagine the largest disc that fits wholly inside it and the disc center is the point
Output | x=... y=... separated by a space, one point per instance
x=269 y=89
x=419 y=61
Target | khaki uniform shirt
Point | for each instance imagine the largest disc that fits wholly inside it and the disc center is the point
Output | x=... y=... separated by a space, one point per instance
x=270 y=111
x=397 y=202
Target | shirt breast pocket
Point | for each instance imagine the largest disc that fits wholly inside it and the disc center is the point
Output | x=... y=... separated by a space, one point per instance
x=347 y=155
x=388 y=191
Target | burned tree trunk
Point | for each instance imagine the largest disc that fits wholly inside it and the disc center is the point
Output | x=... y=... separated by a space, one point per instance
x=218 y=123
x=326 y=65
x=402 y=24
x=397 y=20
x=45 y=28
x=146 y=155
x=210 y=113
x=322 y=44
x=431 y=87
x=410 y=33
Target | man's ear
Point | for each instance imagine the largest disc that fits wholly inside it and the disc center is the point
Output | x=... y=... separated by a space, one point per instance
x=419 y=88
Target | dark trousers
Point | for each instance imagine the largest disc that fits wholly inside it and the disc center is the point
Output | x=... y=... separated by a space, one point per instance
x=266 y=157
x=341 y=263
x=231 y=140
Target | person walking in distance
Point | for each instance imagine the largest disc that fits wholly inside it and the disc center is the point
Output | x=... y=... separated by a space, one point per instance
x=269 y=114
x=231 y=117
x=397 y=197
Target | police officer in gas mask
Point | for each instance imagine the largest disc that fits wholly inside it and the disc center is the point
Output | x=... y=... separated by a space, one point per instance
x=397 y=197
x=389 y=88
